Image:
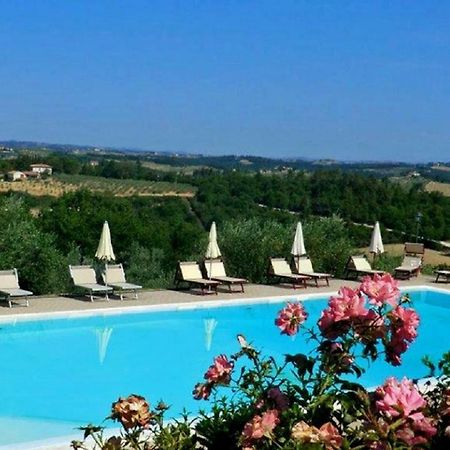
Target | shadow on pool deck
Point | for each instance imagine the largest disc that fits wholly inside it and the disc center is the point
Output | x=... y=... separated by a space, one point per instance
x=164 y=297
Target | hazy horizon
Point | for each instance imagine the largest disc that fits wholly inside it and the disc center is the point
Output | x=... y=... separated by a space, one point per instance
x=351 y=81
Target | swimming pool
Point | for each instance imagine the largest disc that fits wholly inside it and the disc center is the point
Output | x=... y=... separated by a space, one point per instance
x=58 y=374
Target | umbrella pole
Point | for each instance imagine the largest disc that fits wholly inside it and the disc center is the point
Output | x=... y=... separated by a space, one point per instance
x=210 y=273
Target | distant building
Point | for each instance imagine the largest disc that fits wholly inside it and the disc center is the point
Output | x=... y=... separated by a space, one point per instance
x=15 y=175
x=93 y=163
x=41 y=168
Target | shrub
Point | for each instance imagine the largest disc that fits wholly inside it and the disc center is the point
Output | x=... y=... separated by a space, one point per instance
x=42 y=268
x=248 y=244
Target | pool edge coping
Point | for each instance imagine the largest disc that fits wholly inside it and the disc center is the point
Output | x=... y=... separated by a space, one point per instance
x=180 y=306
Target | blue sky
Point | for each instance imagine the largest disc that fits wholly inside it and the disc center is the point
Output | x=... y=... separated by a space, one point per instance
x=332 y=79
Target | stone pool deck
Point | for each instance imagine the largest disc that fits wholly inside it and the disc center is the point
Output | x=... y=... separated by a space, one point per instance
x=168 y=297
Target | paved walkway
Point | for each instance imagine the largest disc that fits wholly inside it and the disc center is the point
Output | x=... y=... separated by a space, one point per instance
x=167 y=297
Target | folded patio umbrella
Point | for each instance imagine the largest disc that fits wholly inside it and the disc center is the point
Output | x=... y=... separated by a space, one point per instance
x=213 y=250
x=376 y=243
x=298 y=246
x=105 y=251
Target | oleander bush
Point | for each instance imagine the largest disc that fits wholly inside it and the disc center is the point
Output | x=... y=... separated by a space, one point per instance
x=307 y=401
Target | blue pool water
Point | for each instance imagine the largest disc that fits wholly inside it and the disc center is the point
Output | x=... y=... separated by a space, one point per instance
x=62 y=373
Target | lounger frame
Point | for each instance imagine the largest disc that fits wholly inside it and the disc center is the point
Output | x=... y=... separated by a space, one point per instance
x=189 y=272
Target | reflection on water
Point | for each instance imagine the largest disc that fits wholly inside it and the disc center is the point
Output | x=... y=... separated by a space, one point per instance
x=103 y=337
x=210 y=326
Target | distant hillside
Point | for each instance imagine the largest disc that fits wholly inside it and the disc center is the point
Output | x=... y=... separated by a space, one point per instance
x=187 y=163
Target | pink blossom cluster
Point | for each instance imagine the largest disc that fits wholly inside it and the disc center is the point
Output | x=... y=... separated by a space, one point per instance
x=401 y=401
x=403 y=330
x=396 y=326
x=260 y=426
x=218 y=373
x=344 y=310
x=290 y=318
x=381 y=289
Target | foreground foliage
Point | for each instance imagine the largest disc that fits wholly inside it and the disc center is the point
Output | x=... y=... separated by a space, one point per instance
x=307 y=401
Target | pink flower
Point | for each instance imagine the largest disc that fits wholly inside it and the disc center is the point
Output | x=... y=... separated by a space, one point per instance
x=402 y=400
x=220 y=371
x=344 y=308
x=405 y=322
x=399 y=398
x=330 y=436
x=281 y=399
x=381 y=289
x=403 y=328
x=290 y=318
x=202 y=391
x=260 y=426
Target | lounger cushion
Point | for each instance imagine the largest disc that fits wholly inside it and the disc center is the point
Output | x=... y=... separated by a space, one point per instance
x=114 y=275
x=15 y=292
x=8 y=280
x=125 y=286
x=82 y=275
x=94 y=287
x=190 y=271
x=203 y=281
x=230 y=280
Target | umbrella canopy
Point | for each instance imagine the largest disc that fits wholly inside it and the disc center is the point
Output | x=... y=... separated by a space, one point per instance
x=213 y=250
x=298 y=246
x=376 y=243
x=105 y=251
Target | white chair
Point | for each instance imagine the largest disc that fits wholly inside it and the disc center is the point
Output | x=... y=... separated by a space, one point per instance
x=84 y=277
x=9 y=287
x=114 y=276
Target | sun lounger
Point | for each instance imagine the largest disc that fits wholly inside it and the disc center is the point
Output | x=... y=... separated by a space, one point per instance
x=442 y=274
x=114 y=276
x=358 y=265
x=190 y=273
x=83 y=277
x=411 y=266
x=10 y=289
x=215 y=270
x=303 y=266
x=280 y=269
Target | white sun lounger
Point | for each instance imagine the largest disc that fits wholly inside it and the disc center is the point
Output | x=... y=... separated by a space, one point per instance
x=114 y=276
x=359 y=265
x=280 y=269
x=215 y=270
x=10 y=289
x=84 y=278
x=411 y=266
x=304 y=267
x=190 y=273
